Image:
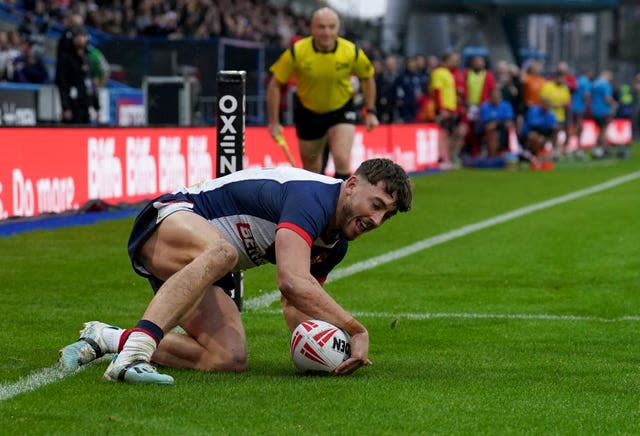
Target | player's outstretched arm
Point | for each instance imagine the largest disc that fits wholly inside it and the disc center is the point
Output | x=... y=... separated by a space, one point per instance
x=302 y=291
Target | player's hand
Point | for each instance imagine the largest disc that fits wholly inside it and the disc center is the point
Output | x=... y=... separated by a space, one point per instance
x=359 y=354
x=371 y=121
x=275 y=129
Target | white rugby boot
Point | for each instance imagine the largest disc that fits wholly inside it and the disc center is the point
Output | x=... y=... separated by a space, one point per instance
x=138 y=371
x=89 y=347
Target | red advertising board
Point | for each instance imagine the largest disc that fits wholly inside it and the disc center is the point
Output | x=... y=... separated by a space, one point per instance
x=46 y=170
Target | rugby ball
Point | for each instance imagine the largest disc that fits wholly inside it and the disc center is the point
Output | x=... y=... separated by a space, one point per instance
x=318 y=346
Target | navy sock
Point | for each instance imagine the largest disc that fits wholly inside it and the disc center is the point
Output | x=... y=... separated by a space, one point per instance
x=151 y=328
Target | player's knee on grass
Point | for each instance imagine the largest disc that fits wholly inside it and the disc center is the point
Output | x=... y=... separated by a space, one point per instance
x=233 y=359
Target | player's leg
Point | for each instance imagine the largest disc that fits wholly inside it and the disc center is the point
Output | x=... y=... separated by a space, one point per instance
x=340 y=137
x=491 y=137
x=311 y=153
x=216 y=339
x=311 y=130
x=188 y=254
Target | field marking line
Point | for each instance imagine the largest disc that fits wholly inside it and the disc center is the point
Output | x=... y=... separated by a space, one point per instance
x=473 y=316
x=40 y=378
x=31 y=382
x=51 y=374
x=267 y=299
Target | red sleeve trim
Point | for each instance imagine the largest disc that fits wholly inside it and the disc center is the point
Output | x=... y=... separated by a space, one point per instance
x=299 y=230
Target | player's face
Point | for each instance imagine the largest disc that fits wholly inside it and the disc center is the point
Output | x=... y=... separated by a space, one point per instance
x=324 y=29
x=366 y=207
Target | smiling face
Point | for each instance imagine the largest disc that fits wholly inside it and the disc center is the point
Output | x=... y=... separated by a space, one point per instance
x=365 y=207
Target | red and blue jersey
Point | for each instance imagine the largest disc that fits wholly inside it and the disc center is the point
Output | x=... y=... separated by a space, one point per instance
x=249 y=206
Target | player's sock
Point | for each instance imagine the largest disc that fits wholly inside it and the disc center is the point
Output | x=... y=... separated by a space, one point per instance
x=111 y=337
x=140 y=342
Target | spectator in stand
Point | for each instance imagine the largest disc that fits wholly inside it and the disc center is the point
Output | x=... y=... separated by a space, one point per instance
x=442 y=87
x=386 y=96
x=99 y=65
x=479 y=82
x=626 y=100
x=14 y=48
x=423 y=70
x=636 y=113
x=569 y=79
x=65 y=43
x=496 y=118
x=35 y=24
x=243 y=19
x=5 y=55
x=478 y=85
x=603 y=107
x=558 y=94
x=532 y=84
x=409 y=86
x=508 y=80
x=29 y=67
x=432 y=63
x=75 y=85
x=580 y=106
x=540 y=125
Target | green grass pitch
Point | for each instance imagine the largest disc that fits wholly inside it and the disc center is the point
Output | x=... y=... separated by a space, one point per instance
x=529 y=326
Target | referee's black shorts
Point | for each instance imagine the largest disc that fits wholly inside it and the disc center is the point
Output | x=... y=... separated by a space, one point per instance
x=311 y=125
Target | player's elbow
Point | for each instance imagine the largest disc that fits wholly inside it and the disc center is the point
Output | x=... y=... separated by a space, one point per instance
x=286 y=286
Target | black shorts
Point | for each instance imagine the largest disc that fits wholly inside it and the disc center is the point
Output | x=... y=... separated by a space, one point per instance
x=145 y=224
x=602 y=122
x=310 y=125
x=546 y=132
x=449 y=123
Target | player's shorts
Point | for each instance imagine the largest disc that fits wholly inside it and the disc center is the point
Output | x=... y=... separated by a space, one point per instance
x=602 y=121
x=311 y=125
x=146 y=223
x=449 y=123
x=543 y=131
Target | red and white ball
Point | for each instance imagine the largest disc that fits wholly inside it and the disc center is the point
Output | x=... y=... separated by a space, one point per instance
x=319 y=346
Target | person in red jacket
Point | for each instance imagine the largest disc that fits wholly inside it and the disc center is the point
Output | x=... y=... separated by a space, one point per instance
x=479 y=82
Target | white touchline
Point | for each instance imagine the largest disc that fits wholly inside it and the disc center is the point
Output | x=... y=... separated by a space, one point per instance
x=51 y=374
x=267 y=299
x=472 y=315
x=37 y=379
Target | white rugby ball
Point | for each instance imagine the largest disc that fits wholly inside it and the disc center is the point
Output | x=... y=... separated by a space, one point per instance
x=318 y=346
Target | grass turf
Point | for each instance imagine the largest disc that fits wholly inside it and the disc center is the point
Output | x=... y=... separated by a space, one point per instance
x=467 y=362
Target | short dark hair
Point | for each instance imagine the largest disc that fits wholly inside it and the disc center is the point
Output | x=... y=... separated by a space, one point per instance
x=395 y=178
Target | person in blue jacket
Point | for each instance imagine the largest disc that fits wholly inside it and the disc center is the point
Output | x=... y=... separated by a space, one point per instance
x=496 y=118
x=540 y=126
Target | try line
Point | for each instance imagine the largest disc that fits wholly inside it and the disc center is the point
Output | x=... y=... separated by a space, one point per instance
x=51 y=374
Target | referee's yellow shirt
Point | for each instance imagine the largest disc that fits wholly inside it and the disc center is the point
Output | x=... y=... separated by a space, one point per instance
x=323 y=80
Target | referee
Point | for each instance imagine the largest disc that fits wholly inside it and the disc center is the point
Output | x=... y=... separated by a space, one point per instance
x=324 y=112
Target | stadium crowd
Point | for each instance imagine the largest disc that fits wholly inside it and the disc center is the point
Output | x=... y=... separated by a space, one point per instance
x=477 y=106
x=455 y=93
